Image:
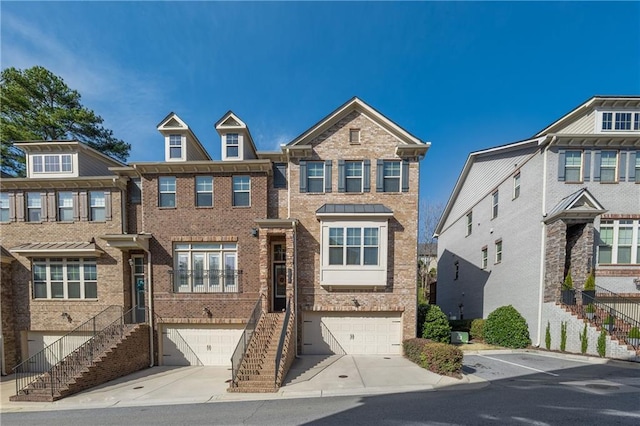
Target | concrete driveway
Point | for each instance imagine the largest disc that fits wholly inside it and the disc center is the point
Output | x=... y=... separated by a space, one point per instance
x=309 y=376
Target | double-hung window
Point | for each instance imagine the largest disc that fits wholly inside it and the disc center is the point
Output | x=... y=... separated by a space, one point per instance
x=34 y=206
x=135 y=191
x=175 y=146
x=494 y=205
x=484 y=257
x=391 y=176
x=623 y=121
x=206 y=268
x=607 y=120
x=619 y=242
x=232 y=145
x=51 y=163
x=167 y=191
x=4 y=207
x=353 y=246
x=204 y=191
x=573 y=166
x=498 y=251
x=608 y=164
x=516 y=185
x=469 y=223
x=97 y=206
x=64 y=278
x=65 y=206
x=353 y=175
x=241 y=191
x=315 y=176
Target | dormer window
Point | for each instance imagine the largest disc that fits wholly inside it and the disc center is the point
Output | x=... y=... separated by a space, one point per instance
x=51 y=163
x=620 y=121
x=175 y=147
x=232 y=145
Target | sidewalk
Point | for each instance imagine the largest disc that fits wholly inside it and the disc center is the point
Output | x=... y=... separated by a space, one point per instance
x=310 y=376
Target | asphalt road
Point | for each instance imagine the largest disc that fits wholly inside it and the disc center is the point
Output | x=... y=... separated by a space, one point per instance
x=523 y=389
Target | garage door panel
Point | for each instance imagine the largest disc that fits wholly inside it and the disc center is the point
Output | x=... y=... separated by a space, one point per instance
x=38 y=340
x=356 y=333
x=193 y=345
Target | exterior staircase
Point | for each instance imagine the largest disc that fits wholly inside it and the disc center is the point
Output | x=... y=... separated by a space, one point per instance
x=116 y=351
x=257 y=372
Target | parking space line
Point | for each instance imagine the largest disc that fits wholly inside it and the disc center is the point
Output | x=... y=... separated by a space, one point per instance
x=519 y=365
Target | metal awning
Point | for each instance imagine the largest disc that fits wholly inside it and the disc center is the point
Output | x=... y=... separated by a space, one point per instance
x=66 y=249
x=360 y=210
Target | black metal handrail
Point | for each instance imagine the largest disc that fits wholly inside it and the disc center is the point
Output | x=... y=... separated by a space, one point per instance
x=283 y=335
x=68 y=366
x=207 y=280
x=612 y=312
x=245 y=338
x=30 y=369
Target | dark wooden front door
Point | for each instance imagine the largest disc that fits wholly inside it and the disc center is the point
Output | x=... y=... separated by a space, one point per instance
x=279 y=277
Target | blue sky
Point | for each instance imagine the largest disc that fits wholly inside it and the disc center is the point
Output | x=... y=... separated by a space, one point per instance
x=464 y=76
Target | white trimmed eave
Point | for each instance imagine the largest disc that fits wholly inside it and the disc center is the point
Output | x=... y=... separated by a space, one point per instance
x=352 y=105
x=576 y=215
x=298 y=151
x=64 y=183
x=617 y=140
x=127 y=241
x=276 y=223
x=47 y=146
x=246 y=166
x=411 y=150
x=275 y=156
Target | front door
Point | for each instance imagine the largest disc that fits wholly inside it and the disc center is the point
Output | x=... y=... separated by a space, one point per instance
x=279 y=276
x=139 y=288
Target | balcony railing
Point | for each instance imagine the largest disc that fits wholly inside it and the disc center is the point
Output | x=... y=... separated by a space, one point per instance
x=207 y=280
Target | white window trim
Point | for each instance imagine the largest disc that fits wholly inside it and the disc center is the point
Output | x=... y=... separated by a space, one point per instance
x=469 y=223
x=354 y=132
x=495 y=203
x=516 y=185
x=238 y=145
x=45 y=174
x=354 y=276
x=234 y=191
x=93 y=208
x=361 y=177
x=195 y=182
x=4 y=206
x=324 y=174
x=27 y=216
x=399 y=177
x=599 y=120
x=168 y=146
x=65 y=208
x=65 y=282
x=581 y=166
x=484 y=258
x=498 y=244
x=615 y=166
x=205 y=249
x=615 y=244
x=174 y=192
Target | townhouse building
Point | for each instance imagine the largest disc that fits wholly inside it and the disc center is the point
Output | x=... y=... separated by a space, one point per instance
x=244 y=261
x=523 y=215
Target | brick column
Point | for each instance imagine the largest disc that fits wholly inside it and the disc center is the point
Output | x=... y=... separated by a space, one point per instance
x=555 y=257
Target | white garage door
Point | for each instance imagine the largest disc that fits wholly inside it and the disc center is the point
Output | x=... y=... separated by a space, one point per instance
x=199 y=345
x=358 y=333
x=38 y=340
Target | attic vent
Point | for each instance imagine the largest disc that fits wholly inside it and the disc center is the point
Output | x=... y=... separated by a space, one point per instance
x=354 y=136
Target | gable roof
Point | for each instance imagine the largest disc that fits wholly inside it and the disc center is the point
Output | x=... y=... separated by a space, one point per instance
x=481 y=186
x=230 y=121
x=579 y=205
x=356 y=104
x=593 y=102
x=174 y=123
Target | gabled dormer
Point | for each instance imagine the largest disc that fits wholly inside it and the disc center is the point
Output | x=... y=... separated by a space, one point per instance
x=180 y=144
x=236 y=141
x=64 y=159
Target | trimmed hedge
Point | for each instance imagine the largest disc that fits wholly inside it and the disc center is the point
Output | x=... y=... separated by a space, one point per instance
x=460 y=325
x=436 y=325
x=477 y=329
x=439 y=358
x=506 y=327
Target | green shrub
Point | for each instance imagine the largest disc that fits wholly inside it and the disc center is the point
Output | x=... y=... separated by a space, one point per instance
x=422 y=315
x=584 y=340
x=547 y=336
x=590 y=283
x=602 y=343
x=477 y=329
x=438 y=358
x=563 y=336
x=568 y=282
x=506 y=327
x=436 y=325
x=609 y=320
x=590 y=309
x=634 y=333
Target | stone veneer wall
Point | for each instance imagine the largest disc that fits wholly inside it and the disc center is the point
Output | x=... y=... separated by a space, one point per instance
x=555 y=257
x=580 y=239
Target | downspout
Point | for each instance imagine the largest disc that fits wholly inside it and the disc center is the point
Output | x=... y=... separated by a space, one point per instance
x=150 y=304
x=543 y=239
x=295 y=283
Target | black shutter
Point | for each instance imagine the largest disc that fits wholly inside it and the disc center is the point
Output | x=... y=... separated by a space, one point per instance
x=366 y=176
x=327 y=176
x=405 y=175
x=342 y=179
x=380 y=176
x=303 y=176
x=587 y=166
x=597 y=160
x=561 y=160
